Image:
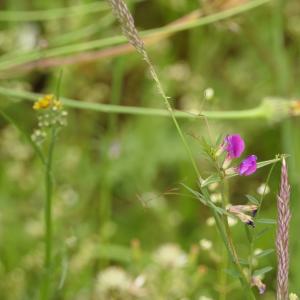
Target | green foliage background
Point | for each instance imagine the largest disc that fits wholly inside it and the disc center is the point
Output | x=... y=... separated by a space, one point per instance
x=114 y=174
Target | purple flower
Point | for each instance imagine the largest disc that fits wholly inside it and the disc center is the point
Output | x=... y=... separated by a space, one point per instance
x=248 y=166
x=256 y=281
x=234 y=145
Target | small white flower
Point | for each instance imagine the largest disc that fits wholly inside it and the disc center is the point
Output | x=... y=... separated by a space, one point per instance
x=71 y=241
x=170 y=255
x=204 y=298
x=209 y=93
x=263 y=189
x=210 y=221
x=213 y=186
x=293 y=296
x=257 y=251
x=205 y=244
x=139 y=281
x=112 y=279
x=232 y=221
x=216 y=197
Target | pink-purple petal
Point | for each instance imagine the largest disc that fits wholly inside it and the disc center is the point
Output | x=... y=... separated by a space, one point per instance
x=234 y=146
x=248 y=166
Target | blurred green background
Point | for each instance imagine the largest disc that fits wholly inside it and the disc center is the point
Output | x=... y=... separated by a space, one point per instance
x=124 y=228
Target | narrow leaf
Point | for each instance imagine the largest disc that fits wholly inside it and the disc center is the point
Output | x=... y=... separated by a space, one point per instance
x=252 y=199
x=243 y=261
x=211 y=179
x=264 y=253
x=266 y=221
x=198 y=195
x=262 y=271
x=232 y=273
x=261 y=233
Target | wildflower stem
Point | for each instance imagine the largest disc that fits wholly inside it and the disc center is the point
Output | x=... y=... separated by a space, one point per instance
x=233 y=253
x=223 y=279
x=244 y=281
x=253 y=113
x=45 y=291
x=251 y=234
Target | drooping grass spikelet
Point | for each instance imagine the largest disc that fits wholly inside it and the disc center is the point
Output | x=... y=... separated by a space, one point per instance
x=128 y=27
x=129 y=30
x=282 y=238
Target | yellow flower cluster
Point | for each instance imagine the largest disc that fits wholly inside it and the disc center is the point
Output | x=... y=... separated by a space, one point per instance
x=48 y=101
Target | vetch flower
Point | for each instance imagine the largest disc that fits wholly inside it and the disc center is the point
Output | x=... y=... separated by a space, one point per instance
x=248 y=166
x=240 y=212
x=244 y=209
x=256 y=281
x=234 y=145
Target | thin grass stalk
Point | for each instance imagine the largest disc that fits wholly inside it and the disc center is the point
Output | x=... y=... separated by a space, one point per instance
x=45 y=290
x=48 y=264
x=234 y=256
x=127 y=23
x=282 y=237
x=248 y=114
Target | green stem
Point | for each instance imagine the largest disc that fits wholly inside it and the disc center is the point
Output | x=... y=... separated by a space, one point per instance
x=225 y=234
x=251 y=234
x=244 y=280
x=45 y=291
x=235 y=259
x=254 y=113
x=223 y=277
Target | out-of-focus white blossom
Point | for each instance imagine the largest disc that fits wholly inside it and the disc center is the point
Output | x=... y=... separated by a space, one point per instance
x=205 y=244
x=232 y=221
x=112 y=281
x=263 y=189
x=170 y=255
x=216 y=197
x=210 y=221
x=293 y=296
x=209 y=93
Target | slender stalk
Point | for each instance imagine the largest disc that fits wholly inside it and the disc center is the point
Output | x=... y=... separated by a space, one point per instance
x=223 y=278
x=247 y=114
x=45 y=291
x=235 y=259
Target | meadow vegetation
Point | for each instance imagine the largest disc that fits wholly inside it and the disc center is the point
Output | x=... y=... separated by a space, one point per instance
x=101 y=196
